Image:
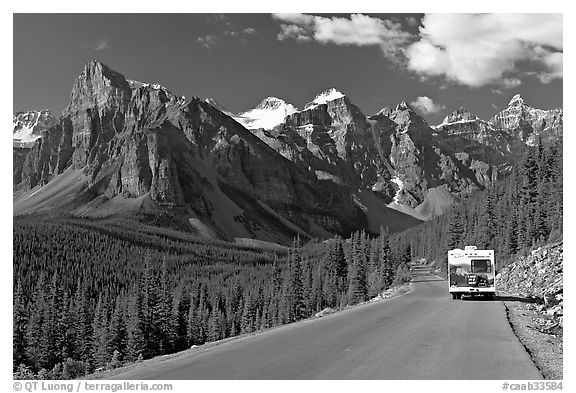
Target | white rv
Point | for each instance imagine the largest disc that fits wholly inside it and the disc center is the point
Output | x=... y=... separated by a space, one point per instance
x=471 y=272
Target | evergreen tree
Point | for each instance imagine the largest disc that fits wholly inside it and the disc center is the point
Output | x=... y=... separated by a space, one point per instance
x=136 y=340
x=118 y=334
x=19 y=323
x=36 y=322
x=183 y=308
x=386 y=259
x=100 y=352
x=358 y=288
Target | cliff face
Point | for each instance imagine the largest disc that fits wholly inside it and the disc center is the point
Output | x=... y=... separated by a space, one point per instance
x=529 y=124
x=135 y=140
x=538 y=276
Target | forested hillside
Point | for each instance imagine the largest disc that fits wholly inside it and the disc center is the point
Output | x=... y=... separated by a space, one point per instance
x=522 y=210
x=94 y=295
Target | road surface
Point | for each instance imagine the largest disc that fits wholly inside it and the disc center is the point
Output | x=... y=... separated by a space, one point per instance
x=423 y=334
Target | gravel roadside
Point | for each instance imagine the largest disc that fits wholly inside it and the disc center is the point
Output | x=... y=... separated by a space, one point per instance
x=544 y=344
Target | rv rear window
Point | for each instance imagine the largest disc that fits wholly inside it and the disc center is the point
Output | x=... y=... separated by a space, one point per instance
x=480 y=266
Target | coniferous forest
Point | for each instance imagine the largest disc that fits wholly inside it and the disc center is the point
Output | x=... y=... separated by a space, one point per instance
x=93 y=295
x=97 y=294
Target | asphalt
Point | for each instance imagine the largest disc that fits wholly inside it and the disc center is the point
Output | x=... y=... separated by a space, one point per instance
x=423 y=334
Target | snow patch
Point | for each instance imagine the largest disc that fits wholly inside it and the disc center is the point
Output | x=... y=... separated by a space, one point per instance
x=267 y=115
x=396 y=180
x=324 y=97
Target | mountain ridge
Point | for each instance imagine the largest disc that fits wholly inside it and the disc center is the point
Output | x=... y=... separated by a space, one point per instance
x=319 y=171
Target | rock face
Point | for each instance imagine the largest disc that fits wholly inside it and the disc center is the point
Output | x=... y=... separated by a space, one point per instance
x=539 y=276
x=29 y=126
x=529 y=124
x=135 y=140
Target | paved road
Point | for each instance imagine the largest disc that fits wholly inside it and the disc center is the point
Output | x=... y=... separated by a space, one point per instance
x=421 y=335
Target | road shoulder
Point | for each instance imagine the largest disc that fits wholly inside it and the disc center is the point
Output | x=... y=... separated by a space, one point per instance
x=544 y=346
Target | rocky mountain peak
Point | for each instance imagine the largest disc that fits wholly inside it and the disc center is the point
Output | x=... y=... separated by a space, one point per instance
x=325 y=97
x=402 y=106
x=516 y=101
x=460 y=115
x=271 y=103
x=95 y=70
x=270 y=112
x=29 y=126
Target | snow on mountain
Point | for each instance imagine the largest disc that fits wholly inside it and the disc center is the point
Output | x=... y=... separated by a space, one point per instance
x=324 y=97
x=267 y=115
x=29 y=126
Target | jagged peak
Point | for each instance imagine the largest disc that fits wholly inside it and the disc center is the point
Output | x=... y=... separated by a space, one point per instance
x=95 y=69
x=517 y=100
x=459 y=115
x=404 y=106
x=324 y=97
x=271 y=103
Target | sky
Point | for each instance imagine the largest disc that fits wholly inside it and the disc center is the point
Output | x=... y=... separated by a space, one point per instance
x=435 y=62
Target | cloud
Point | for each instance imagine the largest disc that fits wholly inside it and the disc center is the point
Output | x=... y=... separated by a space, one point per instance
x=358 y=30
x=208 y=41
x=218 y=18
x=297 y=19
x=293 y=32
x=426 y=105
x=479 y=49
x=101 y=45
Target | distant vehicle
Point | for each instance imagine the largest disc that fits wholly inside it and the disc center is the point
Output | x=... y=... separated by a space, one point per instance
x=471 y=272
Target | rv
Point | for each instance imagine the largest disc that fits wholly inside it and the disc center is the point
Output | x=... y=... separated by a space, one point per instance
x=471 y=272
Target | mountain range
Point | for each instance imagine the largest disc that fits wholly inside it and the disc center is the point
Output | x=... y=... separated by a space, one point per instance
x=132 y=149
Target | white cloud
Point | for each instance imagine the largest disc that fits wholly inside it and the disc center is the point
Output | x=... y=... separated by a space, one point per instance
x=293 y=32
x=207 y=41
x=480 y=49
x=298 y=19
x=358 y=30
x=426 y=105
x=210 y=40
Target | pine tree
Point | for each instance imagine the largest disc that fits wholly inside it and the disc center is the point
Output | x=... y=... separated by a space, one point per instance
x=358 y=286
x=455 y=230
x=163 y=313
x=36 y=322
x=52 y=335
x=100 y=352
x=19 y=324
x=136 y=340
x=118 y=334
x=248 y=315
x=292 y=303
x=83 y=315
x=183 y=309
x=386 y=260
